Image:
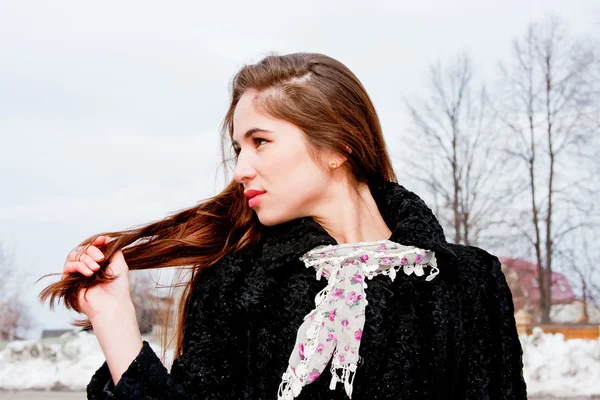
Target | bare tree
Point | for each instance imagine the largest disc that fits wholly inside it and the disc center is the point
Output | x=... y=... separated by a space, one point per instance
x=454 y=152
x=550 y=109
x=579 y=256
x=15 y=318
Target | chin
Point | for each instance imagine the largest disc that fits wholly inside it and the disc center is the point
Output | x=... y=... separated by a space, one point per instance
x=268 y=219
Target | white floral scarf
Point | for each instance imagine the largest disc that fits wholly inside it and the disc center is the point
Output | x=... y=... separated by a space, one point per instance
x=333 y=330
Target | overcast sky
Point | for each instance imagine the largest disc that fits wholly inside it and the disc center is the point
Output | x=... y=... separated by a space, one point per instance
x=109 y=112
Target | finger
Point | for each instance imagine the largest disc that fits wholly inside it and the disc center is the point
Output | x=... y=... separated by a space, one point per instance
x=102 y=240
x=99 y=241
x=89 y=261
x=74 y=254
x=70 y=267
x=80 y=267
x=117 y=264
x=95 y=253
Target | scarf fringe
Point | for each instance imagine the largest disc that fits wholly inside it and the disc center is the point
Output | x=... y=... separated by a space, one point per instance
x=290 y=387
x=348 y=372
x=293 y=379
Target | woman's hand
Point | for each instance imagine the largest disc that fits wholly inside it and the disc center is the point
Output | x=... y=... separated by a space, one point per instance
x=108 y=306
x=105 y=297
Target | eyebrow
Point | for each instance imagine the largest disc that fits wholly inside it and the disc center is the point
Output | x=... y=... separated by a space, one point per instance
x=249 y=133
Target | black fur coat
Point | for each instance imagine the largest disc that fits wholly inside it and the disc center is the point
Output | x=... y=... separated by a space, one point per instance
x=450 y=338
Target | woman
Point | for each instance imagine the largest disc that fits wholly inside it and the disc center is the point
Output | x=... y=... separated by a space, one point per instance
x=315 y=275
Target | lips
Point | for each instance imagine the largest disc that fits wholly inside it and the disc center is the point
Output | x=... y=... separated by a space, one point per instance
x=252 y=193
x=253 y=197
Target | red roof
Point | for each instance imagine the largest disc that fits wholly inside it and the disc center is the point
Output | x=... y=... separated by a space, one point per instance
x=527 y=272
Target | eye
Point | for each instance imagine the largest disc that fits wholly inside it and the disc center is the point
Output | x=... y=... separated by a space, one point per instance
x=258 y=140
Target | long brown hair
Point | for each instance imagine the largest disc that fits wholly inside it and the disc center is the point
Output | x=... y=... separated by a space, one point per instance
x=315 y=92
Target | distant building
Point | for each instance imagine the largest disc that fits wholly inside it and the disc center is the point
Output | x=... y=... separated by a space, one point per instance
x=54 y=333
x=7 y=336
x=521 y=277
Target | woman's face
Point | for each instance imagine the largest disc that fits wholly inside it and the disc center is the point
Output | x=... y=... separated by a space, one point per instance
x=273 y=157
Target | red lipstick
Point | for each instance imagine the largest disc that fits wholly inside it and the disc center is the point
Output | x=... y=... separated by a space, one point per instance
x=253 y=197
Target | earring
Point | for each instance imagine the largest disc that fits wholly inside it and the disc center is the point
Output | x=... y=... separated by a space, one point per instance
x=333 y=164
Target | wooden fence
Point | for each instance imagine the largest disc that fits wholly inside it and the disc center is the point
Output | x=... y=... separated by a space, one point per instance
x=569 y=331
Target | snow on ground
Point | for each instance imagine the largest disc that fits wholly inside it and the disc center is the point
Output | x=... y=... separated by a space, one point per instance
x=560 y=367
x=552 y=366
x=35 y=365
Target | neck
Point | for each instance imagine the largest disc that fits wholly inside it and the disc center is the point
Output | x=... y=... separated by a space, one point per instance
x=349 y=215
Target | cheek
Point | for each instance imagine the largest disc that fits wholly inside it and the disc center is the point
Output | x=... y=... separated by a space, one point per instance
x=301 y=183
x=295 y=183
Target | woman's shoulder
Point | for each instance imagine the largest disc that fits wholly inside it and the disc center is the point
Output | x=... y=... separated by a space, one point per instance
x=226 y=266
x=216 y=287
x=480 y=278
x=474 y=260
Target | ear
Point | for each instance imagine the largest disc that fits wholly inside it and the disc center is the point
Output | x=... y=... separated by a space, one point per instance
x=338 y=161
x=341 y=159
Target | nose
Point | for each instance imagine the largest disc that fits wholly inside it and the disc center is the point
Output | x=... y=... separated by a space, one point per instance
x=243 y=171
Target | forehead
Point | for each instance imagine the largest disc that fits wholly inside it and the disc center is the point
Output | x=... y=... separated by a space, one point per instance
x=246 y=109
x=246 y=117
x=245 y=104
